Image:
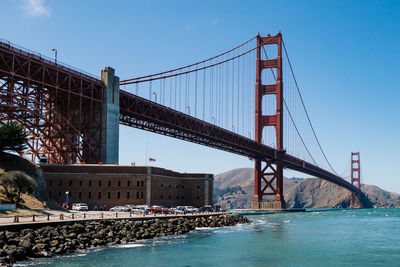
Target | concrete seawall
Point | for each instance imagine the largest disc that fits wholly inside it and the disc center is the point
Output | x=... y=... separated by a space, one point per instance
x=23 y=241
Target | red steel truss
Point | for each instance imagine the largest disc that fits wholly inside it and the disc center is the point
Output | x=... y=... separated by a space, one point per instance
x=355 y=179
x=147 y=115
x=60 y=107
x=271 y=175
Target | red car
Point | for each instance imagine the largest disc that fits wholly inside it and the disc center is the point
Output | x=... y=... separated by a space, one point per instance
x=158 y=209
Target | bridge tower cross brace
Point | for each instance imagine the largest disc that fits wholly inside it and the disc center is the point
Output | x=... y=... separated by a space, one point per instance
x=268 y=173
x=355 y=178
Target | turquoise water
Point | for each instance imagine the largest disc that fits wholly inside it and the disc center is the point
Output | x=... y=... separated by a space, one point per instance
x=368 y=237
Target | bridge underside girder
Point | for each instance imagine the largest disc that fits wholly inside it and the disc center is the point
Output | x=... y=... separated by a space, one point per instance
x=146 y=115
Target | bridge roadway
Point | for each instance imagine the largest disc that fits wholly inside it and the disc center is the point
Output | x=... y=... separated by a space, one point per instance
x=147 y=115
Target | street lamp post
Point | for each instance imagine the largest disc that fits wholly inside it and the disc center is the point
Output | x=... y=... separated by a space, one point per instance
x=55 y=54
x=66 y=198
x=155 y=96
x=188 y=109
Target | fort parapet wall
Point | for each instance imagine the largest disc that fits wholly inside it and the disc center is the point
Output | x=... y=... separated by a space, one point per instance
x=112 y=185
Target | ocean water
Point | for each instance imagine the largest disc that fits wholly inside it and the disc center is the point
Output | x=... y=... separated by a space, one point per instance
x=368 y=237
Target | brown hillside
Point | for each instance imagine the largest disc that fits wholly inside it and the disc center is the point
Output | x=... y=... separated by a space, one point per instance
x=243 y=177
x=303 y=193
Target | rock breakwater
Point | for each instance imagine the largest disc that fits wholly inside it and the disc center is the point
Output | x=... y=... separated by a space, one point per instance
x=47 y=241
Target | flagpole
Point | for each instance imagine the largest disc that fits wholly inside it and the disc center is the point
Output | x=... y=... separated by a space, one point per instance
x=147 y=148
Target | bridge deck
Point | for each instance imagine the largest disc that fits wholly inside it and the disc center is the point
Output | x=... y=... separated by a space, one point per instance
x=139 y=112
x=147 y=115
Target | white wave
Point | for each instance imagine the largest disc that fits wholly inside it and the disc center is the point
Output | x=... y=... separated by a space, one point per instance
x=203 y=228
x=130 y=245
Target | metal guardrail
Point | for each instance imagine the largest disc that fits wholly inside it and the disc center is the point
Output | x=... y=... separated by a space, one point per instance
x=24 y=51
x=12 y=220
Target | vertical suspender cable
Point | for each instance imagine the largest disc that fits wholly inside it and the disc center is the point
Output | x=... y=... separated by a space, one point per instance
x=195 y=92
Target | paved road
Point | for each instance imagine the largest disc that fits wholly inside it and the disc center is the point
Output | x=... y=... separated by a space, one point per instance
x=56 y=216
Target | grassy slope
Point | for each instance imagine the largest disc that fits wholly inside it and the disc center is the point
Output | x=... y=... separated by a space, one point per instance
x=10 y=162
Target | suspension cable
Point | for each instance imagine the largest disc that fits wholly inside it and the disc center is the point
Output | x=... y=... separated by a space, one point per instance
x=191 y=65
x=305 y=109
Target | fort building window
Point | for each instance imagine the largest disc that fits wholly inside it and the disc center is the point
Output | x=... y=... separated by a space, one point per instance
x=99 y=196
x=70 y=183
x=182 y=197
x=50 y=183
x=161 y=185
x=141 y=195
x=137 y=184
x=169 y=186
x=100 y=183
x=169 y=197
x=60 y=183
x=89 y=195
x=109 y=195
x=182 y=187
x=90 y=183
x=80 y=195
x=59 y=194
x=119 y=183
x=80 y=183
x=49 y=194
x=119 y=195
x=127 y=195
x=109 y=183
x=197 y=197
x=198 y=187
x=137 y=195
x=129 y=183
x=161 y=196
x=142 y=183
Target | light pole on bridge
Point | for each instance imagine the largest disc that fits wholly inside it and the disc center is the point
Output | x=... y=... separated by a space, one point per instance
x=155 y=96
x=55 y=54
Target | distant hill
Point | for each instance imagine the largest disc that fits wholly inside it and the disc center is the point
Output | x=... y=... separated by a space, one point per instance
x=299 y=192
x=243 y=178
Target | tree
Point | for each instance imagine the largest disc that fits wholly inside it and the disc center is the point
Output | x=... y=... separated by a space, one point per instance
x=15 y=183
x=13 y=137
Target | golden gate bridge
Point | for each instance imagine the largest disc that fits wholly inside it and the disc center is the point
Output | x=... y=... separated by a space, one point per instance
x=245 y=101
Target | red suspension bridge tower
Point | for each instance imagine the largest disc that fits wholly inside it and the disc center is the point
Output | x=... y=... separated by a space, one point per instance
x=355 y=178
x=268 y=174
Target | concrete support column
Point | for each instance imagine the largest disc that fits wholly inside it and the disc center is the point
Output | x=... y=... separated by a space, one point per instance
x=110 y=127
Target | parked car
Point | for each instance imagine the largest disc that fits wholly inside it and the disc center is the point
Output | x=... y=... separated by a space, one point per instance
x=120 y=209
x=207 y=208
x=135 y=209
x=188 y=209
x=158 y=209
x=80 y=206
x=176 y=210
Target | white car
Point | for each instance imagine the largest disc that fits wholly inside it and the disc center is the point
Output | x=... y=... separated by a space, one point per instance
x=80 y=206
x=176 y=210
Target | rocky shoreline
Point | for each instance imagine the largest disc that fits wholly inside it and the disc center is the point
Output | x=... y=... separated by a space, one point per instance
x=48 y=241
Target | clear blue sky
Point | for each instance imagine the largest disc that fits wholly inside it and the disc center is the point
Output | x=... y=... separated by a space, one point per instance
x=345 y=55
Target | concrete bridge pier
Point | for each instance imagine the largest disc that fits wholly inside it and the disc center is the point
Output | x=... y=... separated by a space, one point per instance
x=110 y=113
